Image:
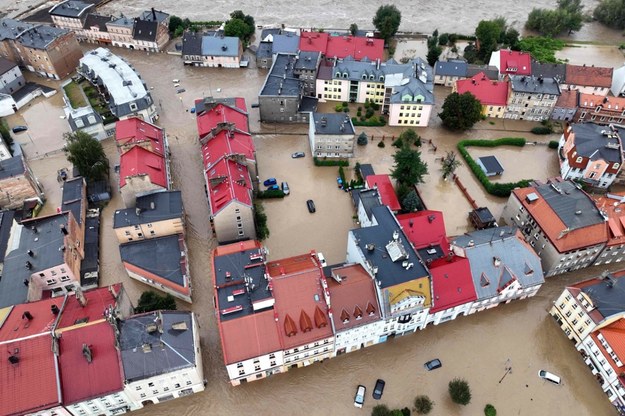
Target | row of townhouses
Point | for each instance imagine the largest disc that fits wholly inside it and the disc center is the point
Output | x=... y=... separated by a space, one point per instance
x=400 y=274
x=87 y=354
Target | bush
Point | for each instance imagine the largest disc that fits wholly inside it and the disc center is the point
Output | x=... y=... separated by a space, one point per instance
x=345 y=103
x=405 y=411
x=338 y=108
x=342 y=175
x=260 y=219
x=331 y=162
x=270 y=193
x=490 y=410
x=362 y=139
x=381 y=410
x=381 y=144
x=346 y=109
x=151 y=301
x=358 y=113
x=542 y=130
x=423 y=405
x=554 y=144
x=370 y=112
x=459 y=391
x=398 y=143
x=497 y=189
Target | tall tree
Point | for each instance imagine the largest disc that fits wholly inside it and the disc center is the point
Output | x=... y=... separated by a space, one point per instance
x=151 y=301
x=387 y=20
x=353 y=29
x=461 y=111
x=487 y=33
x=408 y=169
x=551 y=22
x=450 y=164
x=611 y=13
x=87 y=155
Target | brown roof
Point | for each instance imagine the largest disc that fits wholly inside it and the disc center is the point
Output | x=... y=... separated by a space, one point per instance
x=568 y=99
x=552 y=225
x=249 y=336
x=616 y=217
x=592 y=76
x=355 y=293
x=6 y=65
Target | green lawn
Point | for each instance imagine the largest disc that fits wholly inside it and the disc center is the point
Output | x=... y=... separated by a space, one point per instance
x=75 y=95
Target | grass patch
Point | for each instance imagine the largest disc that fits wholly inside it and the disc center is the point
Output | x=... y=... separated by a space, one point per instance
x=74 y=95
x=97 y=102
x=497 y=189
x=331 y=162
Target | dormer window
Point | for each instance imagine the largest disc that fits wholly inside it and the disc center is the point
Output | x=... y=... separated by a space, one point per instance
x=345 y=75
x=382 y=78
x=338 y=75
x=598 y=109
x=617 y=165
x=364 y=76
x=371 y=77
x=579 y=160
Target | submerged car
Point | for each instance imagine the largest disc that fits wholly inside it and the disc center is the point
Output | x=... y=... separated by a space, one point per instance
x=433 y=364
x=378 y=390
x=298 y=155
x=359 y=399
x=19 y=129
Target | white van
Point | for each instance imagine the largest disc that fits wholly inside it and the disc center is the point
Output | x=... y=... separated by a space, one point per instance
x=175 y=81
x=546 y=375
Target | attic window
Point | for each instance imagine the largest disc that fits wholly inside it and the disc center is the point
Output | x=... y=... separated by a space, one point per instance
x=484 y=282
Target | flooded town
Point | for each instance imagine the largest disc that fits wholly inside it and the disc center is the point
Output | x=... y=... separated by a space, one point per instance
x=496 y=327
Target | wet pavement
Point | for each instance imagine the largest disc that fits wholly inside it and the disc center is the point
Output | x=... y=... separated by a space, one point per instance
x=476 y=347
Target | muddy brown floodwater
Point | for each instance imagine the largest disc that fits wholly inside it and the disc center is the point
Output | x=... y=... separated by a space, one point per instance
x=477 y=347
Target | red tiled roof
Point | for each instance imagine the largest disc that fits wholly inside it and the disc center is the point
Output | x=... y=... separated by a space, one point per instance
x=355 y=294
x=241 y=246
x=616 y=217
x=614 y=335
x=135 y=130
x=298 y=288
x=139 y=161
x=313 y=42
x=552 y=225
x=424 y=228
x=222 y=113
x=97 y=301
x=228 y=143
x=452 y=283
x=17 y=325
x=356 y=47
x=568 y=99
x=514 y=62
x=592 y=101
x=228 y=181
x=592 y=76
x=31 y=384
x=83 y=380
x=487 y=91
x=249 y=336
x=386 y=190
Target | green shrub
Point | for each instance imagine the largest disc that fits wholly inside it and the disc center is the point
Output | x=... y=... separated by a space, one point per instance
x=260 y=219
x=381 y=410
x=346 y=109
x=359 y=108
x=342 y=174
x=398 y=143
x=345 y=103
x=542 y=130
x=362 y=139
x=338 y=108
x=358 y=113
x=423 y=405
x=381 y=144
x=270 y=193
x=490 y=410
x=331 y=162
x=459 y=391
x=554 y=144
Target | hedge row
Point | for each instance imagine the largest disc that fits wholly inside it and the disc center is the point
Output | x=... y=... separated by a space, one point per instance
x=270 y=193
x=331 y=162
x=372 y=122
x=542 y=130
x=497 y=189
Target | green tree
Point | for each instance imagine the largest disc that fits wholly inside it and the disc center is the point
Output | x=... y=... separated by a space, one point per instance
x=551 y=22
x=611 y=13
x=450 y=164
x=408 y=169
x=362 y=139
x=353 y=29
x=409 y=136
x=443 y=39
x=541 y=48
x=411 y=201
x=461 y=111
x=174 y=23
x=423 y=405
x=238 y=28
x=387 y=20
x=490 y=410
x=381 y=410
x=260 y=219
x=470 y=54
x=487 y=33
x=511 y=39
x=433 y=54
x=459 y=391
x=87 y=155
x=6 y=135
x=151 y=301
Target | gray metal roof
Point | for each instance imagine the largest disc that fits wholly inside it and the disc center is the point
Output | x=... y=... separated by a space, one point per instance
x=6 y=65
x=308 y=104
x=572 y=205
x=72 y=197
x=12 y=29
x=490 y=71
x=11 y=167
x=307 y=61
x=122 y=21
x=191 y=43
x=549 y=70
x=269 y=31
x=70 y=8
x=607 y=295
x=366 y=169
x=498 y=257
x=370 y=199
x=40 y=36
x=45 y=241
x=160 y=256
x=264 y=50
x=97 y=20
x=91 y=263
x=220 y=46
x=590 y=142
x=373 y=241
x=6 y=222
x=153 y=15
x=148 y=354
x=281 y=81
x=287 y=43
x=145 y=30
x=167 y=205
x=532 y=84
x=83 y=117
x=454 y=68
x=332 y=123
x=230 y=278
x=491 y=164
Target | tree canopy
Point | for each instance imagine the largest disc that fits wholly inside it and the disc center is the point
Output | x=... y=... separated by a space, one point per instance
x=408 y=169
x=611 y=13
x=387 y=20
x=461 y=111
x=567 y=17
x=152 y=301
x=488 y=33
x=240 y=25
x=459 y=391
x=87 y=155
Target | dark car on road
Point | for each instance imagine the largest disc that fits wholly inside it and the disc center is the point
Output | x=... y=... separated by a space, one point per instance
x=311 y=206
x=270 y=182
x=378 y=390
x=298 y=155
x=433 y=364
x=19 y=129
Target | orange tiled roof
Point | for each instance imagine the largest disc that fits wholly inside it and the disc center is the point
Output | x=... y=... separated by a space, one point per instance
x=616 y=217
x=589 y=75
x=567 y=99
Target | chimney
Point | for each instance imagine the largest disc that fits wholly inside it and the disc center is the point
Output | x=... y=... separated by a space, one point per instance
x=29 y=265
x=54 y=309
x=80 y=297
x=34 y=229
x=27 y=315
x=14 y=359
x=30 y=253
x=154 y=14
x=64 y=230
x=86 y=351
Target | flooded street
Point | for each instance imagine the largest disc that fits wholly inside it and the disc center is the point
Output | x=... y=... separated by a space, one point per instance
x=475 y=347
